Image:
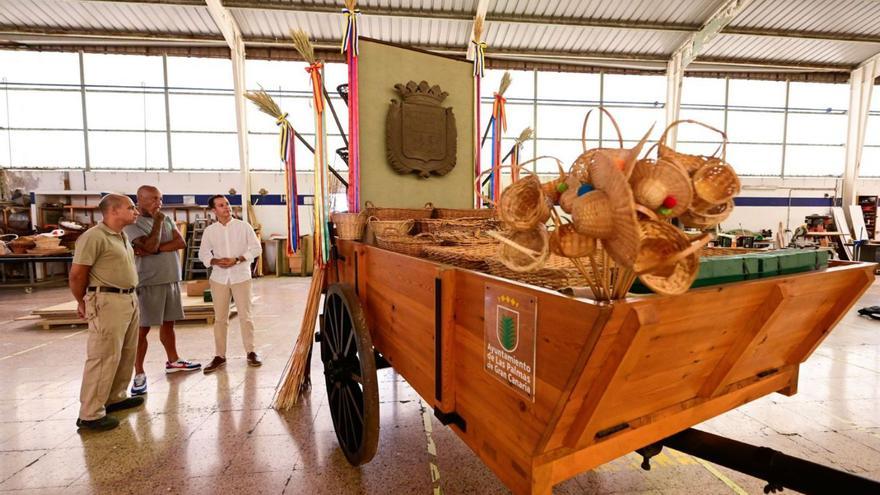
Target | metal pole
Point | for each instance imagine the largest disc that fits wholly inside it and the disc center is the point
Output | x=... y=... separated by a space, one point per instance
x=333 y=111
x=82 y=91
x=167 y=111
x=778 y=469
x=785 y=129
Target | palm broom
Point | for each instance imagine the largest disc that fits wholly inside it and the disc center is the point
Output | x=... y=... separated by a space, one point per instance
x=294 y=382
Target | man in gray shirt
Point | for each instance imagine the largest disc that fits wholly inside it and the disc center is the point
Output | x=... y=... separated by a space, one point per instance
x=156 y=241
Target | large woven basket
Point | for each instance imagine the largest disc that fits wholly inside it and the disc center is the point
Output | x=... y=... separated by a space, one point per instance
x=349 y=226
x=557 y=273
x=370 y=210
x=473 y=257
x=405 y=244
x=451 y=213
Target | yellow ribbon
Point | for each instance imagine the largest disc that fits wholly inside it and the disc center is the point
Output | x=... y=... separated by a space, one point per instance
x=479 y=57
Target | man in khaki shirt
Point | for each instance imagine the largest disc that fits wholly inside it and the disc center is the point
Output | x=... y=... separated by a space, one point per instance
x=103 y=278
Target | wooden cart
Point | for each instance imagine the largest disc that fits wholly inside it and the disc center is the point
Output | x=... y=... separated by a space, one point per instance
x=576 y=383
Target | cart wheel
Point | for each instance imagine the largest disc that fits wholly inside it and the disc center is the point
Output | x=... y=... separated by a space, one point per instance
x=350 y=373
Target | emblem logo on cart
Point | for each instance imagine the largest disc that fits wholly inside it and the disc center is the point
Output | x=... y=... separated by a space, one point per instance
x=420 y=132
x=510 y=323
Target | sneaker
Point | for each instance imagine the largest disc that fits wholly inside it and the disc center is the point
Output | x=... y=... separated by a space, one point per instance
x=139 y=385
x=216 y=363
x=124 y=404
x=100 y=424
x=182 y=365
x=253 y=359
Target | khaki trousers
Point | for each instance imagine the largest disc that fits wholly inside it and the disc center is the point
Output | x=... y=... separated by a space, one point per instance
x=110 y=353
x=241 y=294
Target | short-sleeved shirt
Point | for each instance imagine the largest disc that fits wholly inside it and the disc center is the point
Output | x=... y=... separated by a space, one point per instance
x=109 y=254
x=159 y=268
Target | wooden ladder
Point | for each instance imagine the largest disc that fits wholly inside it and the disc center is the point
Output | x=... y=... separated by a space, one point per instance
x=193 y=265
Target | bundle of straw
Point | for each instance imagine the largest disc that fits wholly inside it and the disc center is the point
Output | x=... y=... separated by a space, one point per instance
x=265 y=103
x=303 y=45
x=294 y=383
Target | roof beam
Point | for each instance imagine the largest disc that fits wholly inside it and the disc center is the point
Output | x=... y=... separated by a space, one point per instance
x=696 y=42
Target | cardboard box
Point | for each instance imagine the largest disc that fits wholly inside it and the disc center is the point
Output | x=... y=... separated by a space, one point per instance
x=196 y=287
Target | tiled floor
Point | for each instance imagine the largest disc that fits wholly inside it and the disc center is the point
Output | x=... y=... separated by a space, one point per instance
x=217 y=433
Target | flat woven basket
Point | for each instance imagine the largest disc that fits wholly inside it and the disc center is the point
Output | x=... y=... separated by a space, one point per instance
x=465 y=213
x=442 y=226
x=371 y=210
x=405 y=244
x=557 y=273
x=349 y=226
x=474 y=257
x=727 y=251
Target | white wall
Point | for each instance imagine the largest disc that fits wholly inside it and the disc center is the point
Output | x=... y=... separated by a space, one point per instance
x=273 y=218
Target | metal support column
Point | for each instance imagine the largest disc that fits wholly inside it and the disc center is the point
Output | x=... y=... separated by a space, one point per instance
x=227 y=25
x=674 y=77
x=861 y=85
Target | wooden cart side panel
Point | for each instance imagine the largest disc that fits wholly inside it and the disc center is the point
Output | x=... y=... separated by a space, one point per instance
x=814 y=306
x=399 y=301
x=503 y=427
x=567 y=463
x=706 y=340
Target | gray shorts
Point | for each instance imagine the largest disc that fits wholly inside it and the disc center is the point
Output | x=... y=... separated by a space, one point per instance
x=159 y=303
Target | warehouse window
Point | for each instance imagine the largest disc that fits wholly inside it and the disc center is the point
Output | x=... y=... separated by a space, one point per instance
x=816 y=129
x=42 y=110
x=125 y=107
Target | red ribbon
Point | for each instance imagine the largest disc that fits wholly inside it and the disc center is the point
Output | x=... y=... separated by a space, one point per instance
x=315 y=71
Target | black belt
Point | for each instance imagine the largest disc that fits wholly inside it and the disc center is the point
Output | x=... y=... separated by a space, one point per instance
x=115 y=290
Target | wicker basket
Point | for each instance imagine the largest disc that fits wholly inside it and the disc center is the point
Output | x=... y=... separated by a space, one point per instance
x=406 y=244
x=468 y=257
x=727 y=251
x=392 y=227
x=398 y=213
x=691 y=163
x=451 y=213
x=557 y=273
x=704 y=219
x=349 y=226
x=716 y=182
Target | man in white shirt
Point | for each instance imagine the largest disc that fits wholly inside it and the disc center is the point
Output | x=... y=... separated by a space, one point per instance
x=228 y=247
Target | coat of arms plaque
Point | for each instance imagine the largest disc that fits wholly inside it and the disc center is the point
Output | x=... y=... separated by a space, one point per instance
x=420 y=132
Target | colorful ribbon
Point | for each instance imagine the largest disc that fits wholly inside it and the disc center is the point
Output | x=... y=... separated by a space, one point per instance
x=350 y=38
x=479 y=57
x=350 y=48
x=498 y=111
x=317 y=85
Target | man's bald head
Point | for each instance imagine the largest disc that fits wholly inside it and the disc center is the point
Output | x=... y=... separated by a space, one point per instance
x=112 y=201
x=146 y=190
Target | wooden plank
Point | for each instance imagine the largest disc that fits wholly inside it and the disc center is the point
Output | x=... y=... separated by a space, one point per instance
x=861 y=281
x=611 y=367
x=568 y=463
x=754 y=330
x=576 y=373
x=446 y=401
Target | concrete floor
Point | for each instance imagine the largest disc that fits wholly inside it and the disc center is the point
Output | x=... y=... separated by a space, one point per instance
x=217 y=433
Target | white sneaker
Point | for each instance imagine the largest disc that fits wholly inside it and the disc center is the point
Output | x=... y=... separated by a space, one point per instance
x=139 y=385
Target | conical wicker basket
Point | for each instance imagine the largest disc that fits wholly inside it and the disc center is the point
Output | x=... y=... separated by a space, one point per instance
x=668 y=261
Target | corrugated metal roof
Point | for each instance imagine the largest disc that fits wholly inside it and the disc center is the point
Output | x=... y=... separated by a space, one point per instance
x=792 y=50
x=107 y=16
x=777 y=31
x=838 y=16
x=680 y=12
